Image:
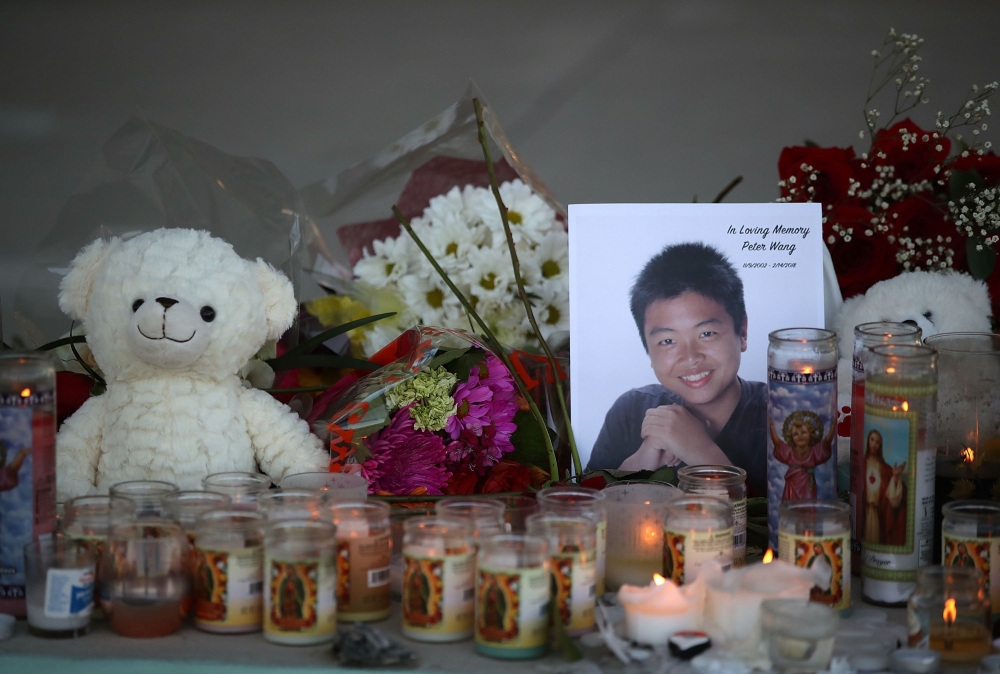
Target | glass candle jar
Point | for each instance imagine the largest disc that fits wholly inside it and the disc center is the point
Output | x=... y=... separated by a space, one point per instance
x=567 y=500
x=572 y=543
x=59 y=574
x=949 y=612
x=867 y=335
x=970 y=537
x=28 y=464
x=228 y=575
x=439 y=565
x=801 y=419
x=696 y=529
x=635 y=530
x=485 y=516
x=816 y=535
x=185 y=507
x=898 y=493
x=725 y=482
x=147 y=495
x=335 y=486
x=241 y=488
x=291 y=504
x=300 y=582
x=799 y=634
x=89 y=520
x=145 y=573
x=512 y=597
x=516 y=510
x=363 y=559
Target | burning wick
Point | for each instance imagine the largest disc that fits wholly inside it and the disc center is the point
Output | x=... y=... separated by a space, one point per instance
x=658 y=579
x=949 y=614
x=25 y=392
x=968 y=455
x=768 y=557
x=906 y=406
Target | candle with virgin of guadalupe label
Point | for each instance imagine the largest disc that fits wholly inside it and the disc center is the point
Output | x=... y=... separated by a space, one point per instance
x=573 y=557
x=801 y=419
x=228 y=576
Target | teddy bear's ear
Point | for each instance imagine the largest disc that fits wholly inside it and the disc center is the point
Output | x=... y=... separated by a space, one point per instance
x=75 y=288
x=279 y=299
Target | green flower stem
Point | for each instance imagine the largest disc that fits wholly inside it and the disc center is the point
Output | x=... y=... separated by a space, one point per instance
x=520 y=286
x=494 y=343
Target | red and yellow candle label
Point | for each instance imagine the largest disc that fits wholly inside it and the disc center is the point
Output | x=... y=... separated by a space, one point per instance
x=828 y=557
x=301 y=598
x=438 y=593
x=512 y=608
x=228 y=587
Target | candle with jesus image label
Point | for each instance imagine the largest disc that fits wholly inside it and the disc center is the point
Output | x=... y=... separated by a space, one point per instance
x=801 y=419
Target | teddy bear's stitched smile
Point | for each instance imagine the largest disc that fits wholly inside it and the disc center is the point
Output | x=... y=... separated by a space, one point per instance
x=178 y=341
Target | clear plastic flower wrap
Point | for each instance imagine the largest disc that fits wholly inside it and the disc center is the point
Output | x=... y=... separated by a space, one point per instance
x=442 y=415
x=438 y=179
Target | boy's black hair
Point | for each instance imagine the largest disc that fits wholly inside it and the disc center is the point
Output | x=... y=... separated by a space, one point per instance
x=688 y=267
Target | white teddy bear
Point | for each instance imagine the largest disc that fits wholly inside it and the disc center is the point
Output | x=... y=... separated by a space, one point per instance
x=171 y=316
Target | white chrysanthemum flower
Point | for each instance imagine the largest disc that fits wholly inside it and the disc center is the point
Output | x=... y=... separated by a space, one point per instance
x=551 y=256
x=445 y=207
x=490 y=277
x=389 y=263
x=508 y=322
x=529 y=216
x=429 y=299
x=450 y=240
x=551 y=309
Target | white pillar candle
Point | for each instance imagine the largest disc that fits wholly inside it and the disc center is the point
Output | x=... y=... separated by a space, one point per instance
x=655 y=612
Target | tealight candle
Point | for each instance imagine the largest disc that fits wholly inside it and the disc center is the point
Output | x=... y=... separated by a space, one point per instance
x=653 y=613
x=949 y=612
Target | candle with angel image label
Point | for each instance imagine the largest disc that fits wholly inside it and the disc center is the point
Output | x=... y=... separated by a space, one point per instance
x=801 y=419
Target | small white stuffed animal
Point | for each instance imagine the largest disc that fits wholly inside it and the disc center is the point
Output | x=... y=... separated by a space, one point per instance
x=171 y=316
x=935 y=301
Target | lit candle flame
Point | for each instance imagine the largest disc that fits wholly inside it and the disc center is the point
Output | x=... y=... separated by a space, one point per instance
x=25 y=392
x=658 y=579
x=949 y=614
x=968 y=455
x=807 y=370
x=768 y=557
x=906 y=406
x=890 y=370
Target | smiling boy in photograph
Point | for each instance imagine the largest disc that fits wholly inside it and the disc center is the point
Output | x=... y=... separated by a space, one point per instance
x=688 y=305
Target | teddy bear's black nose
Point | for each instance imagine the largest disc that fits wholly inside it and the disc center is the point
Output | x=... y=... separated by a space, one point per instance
x=166 y=302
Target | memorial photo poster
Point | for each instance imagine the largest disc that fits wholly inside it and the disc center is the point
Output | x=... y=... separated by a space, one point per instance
x=775 y=251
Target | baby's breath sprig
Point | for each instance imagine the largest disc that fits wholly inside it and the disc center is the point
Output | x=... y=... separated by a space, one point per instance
x=897 y=64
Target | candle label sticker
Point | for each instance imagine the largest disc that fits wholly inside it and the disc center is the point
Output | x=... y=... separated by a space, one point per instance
x=801 y=439
x=975 y=553
x=739 y=523
x=602 y=553
x=829 y=557
x=363 y=576
x=27 y=485
x=512 y=608
x=229 y=587
x=857 y=459
x=439 y=593
x=897 y=496
x=301 y=597
x=574 y=578
x=685 y=551
x=69 y=593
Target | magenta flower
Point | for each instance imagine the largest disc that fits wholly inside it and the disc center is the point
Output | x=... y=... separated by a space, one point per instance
x=484 y=421
x=404 y=459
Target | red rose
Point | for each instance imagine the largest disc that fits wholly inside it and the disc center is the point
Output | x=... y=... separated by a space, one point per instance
x=986 y=165
x=912 y=152
x=461 y=482
x=832 y=166
x=508 y=475
x=74 y=390
x=595 y=482
x=864 y=260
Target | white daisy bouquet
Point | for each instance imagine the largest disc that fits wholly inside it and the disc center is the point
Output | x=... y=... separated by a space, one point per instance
x=463 y=231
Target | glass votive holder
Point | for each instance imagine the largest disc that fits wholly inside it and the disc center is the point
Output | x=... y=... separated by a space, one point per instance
x=724 y=482
x=636 y=510
x=485 y=516
x=816 y=535
x=146 y=577
x=291 y=504
x=241 y=488
x=89 y=520
x=185 y=507
x=516 y=510
x=572 y=543
x=229 y=573
x=696 y=529
x=513 y=590
x=364 y=558
x=570 y=500
x=59 y=581
x=300 y=582
x=970 y=536
x=949 y=612
x=335 y=486
x=799 y=634
x=146 y=494
x=439 y=565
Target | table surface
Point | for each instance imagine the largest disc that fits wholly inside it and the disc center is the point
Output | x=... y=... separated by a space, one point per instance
x=104 y=652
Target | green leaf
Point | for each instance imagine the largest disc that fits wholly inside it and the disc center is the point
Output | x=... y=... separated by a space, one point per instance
x=810 y=143
x=664 y=474
x=981 y=258
x=529 y=446
x=76 y=339
x=311 y=343
x=287 y=362
x=445 y=357
x=958 y=184
x=462 y=366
